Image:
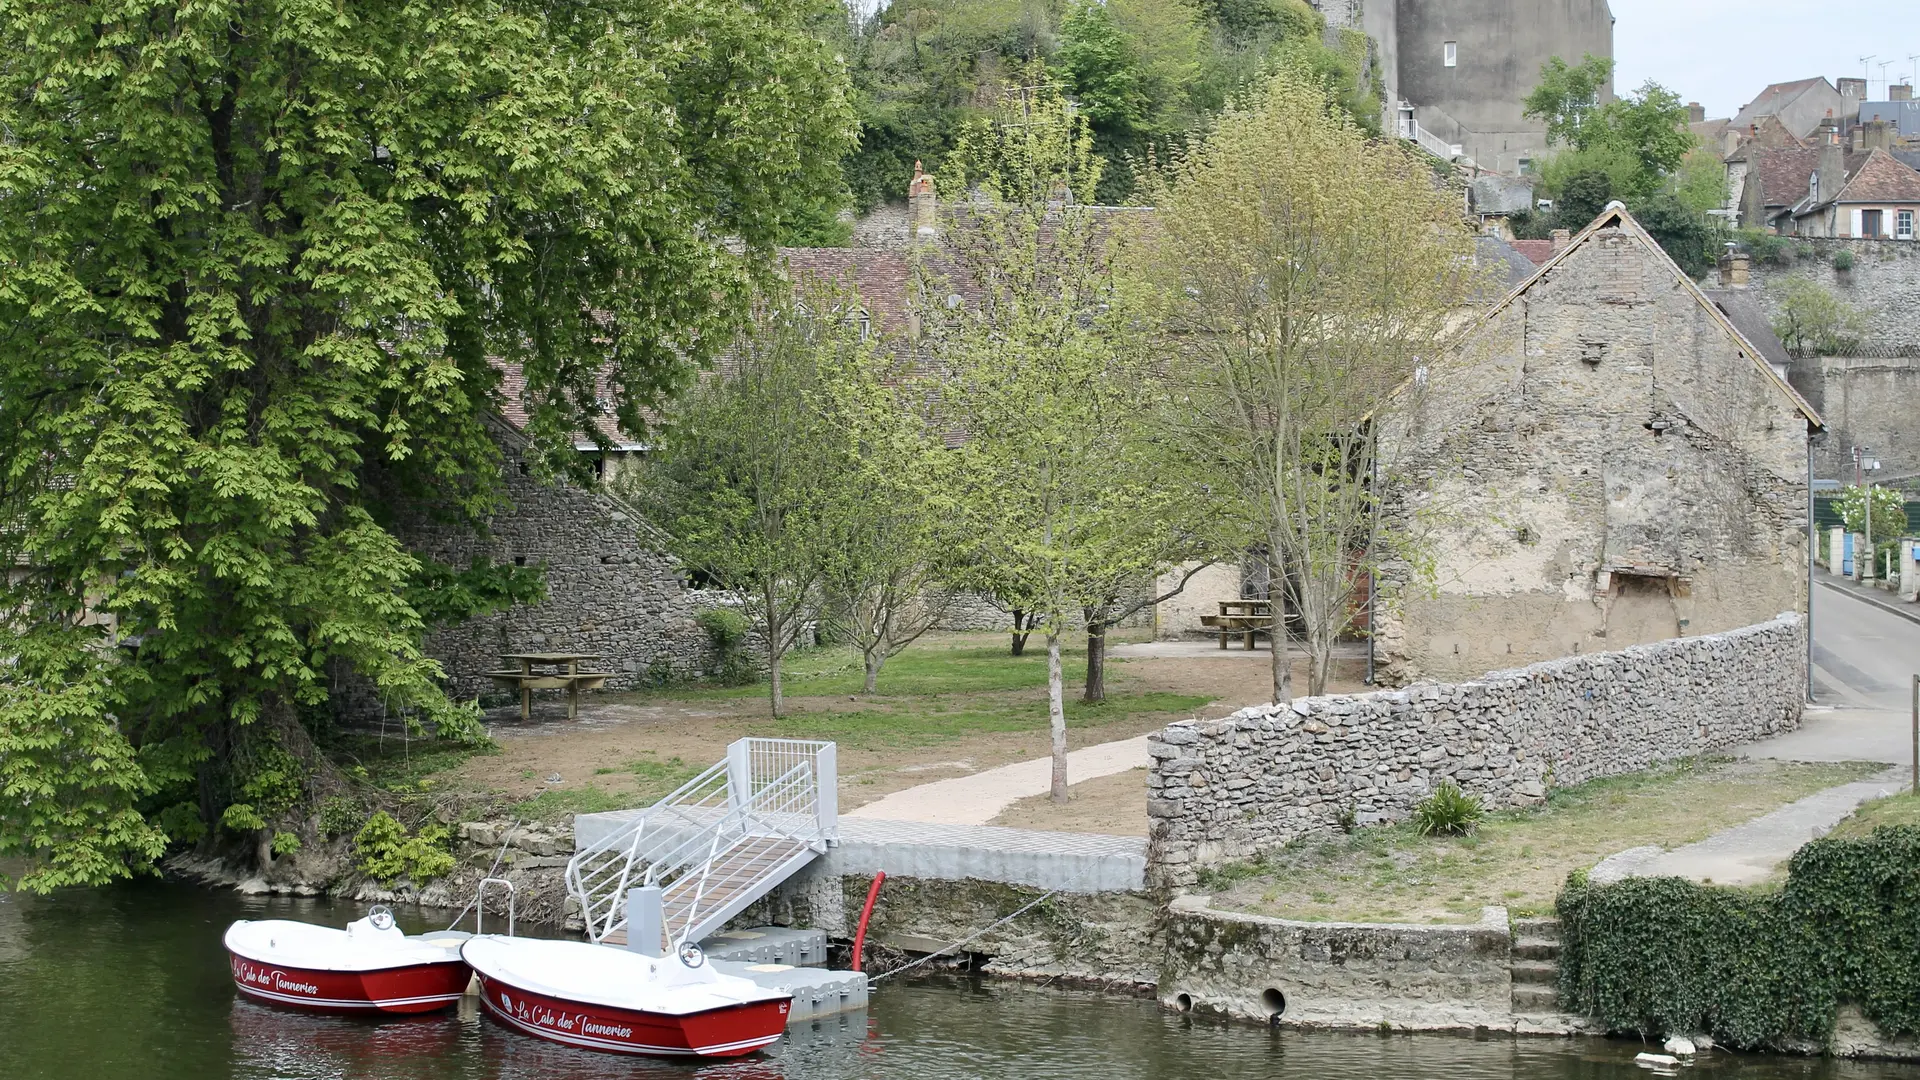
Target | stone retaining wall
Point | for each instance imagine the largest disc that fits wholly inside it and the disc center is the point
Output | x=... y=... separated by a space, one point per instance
x=1338 y=975
x=1265 y=776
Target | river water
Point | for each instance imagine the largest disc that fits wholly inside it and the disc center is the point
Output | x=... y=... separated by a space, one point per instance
x=131 y=982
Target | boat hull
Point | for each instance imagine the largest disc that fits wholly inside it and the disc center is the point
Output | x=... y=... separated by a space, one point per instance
x=728 y=1031
x=413 y=988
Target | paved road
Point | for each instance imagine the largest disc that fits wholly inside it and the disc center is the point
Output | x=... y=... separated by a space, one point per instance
x=1864 y=660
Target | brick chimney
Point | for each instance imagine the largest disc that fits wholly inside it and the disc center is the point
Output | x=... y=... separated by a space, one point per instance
x=1561 y=238
x=1735 y=269
x=922 y=227
x=1900 y=92
x=1696 y=112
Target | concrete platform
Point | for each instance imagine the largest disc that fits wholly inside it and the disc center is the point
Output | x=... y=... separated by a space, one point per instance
x=817 y=992
x=768 y=945
x=1070 y=862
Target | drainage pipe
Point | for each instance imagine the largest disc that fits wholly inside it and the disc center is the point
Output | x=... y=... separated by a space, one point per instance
x=866 y=912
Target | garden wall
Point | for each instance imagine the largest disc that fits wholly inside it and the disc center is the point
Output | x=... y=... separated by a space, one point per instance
x=1267 y=775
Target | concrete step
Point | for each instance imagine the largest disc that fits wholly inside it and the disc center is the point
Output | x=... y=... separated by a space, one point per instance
x=1535 y=999
x=1540 y=929
x=817 y=992
x=1535 y=973
x=769 y=945
x=1530 y=948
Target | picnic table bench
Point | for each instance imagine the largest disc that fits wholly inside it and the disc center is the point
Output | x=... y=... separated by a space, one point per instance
x=526 y=680
x=1241 y=618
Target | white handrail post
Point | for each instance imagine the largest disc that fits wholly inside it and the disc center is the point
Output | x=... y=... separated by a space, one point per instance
x=826 y=792
x=739 y=775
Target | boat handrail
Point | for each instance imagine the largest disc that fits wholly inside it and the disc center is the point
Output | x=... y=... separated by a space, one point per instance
x=480 y=903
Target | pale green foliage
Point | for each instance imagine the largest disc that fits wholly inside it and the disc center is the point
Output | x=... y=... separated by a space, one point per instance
x=1701 y=182
x=1300 y=271
x=1812 y=321
x=1638 y=139
x=1889 y=512
x=1033 y=149
x=1056 y=478
x=1568 y=95
x=386 y=851
x=254 y=256
x=751 y=467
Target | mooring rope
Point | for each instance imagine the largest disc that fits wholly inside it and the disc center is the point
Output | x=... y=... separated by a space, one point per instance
x=1030 y=905
x=501 y=854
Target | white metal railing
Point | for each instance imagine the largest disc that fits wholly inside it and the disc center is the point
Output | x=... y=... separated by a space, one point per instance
x=721 y=840
x=1431 y=143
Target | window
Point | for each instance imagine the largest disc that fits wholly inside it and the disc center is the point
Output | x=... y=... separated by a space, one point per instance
x=1813 y=187
x=1904 y=229
x=1452 y=53
x=1870 y=224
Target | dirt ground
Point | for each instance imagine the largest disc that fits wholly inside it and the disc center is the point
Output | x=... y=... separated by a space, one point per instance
x=629 y=748
x=1114 y=805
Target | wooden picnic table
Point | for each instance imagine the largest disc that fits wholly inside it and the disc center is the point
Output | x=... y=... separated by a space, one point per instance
x=1242 y=618
x=526 y=680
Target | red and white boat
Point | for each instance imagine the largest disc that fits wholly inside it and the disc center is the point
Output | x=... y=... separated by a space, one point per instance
x=371 y=966
x=606 y=998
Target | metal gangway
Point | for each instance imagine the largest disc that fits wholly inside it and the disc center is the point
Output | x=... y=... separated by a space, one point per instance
x=721 y=841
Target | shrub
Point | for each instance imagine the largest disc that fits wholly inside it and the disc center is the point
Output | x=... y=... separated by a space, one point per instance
x=1663 y=955
x=1843 y=260
x=386 y=851
x=1447 y=812
x=726 y=631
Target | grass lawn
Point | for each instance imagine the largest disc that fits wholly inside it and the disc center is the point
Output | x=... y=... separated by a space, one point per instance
x=1517 y=858
x=949 y=705
x=1893 y=810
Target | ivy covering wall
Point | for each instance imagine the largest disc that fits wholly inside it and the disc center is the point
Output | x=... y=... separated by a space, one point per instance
x=1753 y=968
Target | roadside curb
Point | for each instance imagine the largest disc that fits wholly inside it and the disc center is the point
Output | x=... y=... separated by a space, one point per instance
x=1909 y=612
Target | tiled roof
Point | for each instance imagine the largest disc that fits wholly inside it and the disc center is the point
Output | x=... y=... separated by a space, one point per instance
x=1881 y=178
x=1767 y=134
x=1536 y=251
x=1743 y=310
x=1782 y=174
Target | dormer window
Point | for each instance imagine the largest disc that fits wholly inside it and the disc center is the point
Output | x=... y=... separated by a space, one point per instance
x=1450 y=53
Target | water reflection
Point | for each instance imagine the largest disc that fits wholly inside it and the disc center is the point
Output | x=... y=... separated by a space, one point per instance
x=131 y=983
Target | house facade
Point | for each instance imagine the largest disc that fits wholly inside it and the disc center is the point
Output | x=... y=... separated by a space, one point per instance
x=1867 y=196
x=1602 y=460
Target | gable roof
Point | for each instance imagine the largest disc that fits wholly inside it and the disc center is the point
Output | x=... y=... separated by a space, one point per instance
x=1782 y=174
x=1881 y=178
x=1778 y=96
x=1616 y=216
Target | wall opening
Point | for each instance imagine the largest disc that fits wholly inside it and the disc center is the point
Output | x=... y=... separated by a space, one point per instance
x=1274 y=1002
x=1183 y=1002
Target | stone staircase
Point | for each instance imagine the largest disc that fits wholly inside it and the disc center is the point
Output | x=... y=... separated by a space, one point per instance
x=1536 y=968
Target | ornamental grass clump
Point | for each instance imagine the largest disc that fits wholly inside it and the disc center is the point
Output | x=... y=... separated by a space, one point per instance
x=1449 y=811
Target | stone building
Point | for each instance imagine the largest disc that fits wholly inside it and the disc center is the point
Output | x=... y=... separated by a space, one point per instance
x=1603 y=459
x=1461 y=69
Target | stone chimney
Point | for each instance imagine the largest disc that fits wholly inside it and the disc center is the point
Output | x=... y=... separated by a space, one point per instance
x=1561 y=238
x=1859 y=137
x=1900 y=92
x=922 y=227
x=1696 y=112
x=1735 y=269
x=1853 y=88
x=1875 y=135
x=1832 y=169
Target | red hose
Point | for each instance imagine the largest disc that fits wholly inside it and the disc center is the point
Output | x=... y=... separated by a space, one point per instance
x=860 y=935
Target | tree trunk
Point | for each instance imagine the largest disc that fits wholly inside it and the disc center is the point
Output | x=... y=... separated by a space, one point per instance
x=773 y=658
x=1056 y=717
x=1022 y=626
x=874 y=660
x=1282 y=655
x=1096 y=690
x=1320 y=661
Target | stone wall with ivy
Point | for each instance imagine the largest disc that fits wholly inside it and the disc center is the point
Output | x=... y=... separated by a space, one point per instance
x=1754 y=969
x=1265 y=776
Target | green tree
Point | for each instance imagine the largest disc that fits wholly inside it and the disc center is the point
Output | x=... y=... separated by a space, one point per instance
x=254 y=256
x=749 y=467
x=1134 y=66
x=1568 y=95
x=1812 y=321
x=1037 y=374
x=1302 y=270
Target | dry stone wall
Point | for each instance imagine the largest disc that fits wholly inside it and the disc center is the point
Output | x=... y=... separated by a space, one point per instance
x=1265 y=776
